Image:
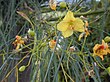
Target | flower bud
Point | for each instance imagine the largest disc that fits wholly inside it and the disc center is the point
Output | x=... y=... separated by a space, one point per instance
x=107 y=39
x=62 y=4
x=22 y=68
x=52 y=44
x=31 y=33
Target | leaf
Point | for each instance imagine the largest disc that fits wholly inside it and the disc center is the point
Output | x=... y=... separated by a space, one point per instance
x=25 y=17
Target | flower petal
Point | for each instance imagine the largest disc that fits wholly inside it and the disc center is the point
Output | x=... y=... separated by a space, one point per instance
x=62 y=26
x=67 y=33
x=96 y=47
x=69 y=16
x=101 y=56
x=78 y=25
x=80 y=36
x=104 y=44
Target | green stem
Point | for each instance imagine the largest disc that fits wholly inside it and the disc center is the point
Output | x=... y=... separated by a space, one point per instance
x=83 y=60
x=83 y=44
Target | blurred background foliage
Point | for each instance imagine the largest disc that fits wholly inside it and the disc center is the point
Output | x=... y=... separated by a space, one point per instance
x=43 y=64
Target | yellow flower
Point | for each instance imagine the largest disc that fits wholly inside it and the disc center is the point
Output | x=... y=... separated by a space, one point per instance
x=18 y=42
x=70 y=24
x=52 y=44
x=101 y=49
x=52 y=4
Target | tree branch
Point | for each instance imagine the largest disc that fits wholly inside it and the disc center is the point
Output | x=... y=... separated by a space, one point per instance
x=99 y=11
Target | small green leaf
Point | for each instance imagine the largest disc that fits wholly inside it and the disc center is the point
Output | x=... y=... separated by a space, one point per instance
x=25 y=17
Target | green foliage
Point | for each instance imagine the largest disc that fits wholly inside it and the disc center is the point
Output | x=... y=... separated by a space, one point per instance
x=70 y=60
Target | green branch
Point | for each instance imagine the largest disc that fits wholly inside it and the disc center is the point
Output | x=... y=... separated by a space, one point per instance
x=99 y=11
